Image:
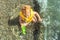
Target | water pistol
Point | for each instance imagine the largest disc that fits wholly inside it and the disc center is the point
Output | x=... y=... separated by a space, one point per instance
x=23 y=29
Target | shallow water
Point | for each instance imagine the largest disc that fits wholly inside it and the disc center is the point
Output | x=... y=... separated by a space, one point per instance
x=51 y=19
x=10 y=28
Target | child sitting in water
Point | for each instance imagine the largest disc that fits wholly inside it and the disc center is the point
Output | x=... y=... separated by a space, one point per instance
x=27 y=15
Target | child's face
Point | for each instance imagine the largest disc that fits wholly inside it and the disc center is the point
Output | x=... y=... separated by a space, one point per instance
x=26 y=10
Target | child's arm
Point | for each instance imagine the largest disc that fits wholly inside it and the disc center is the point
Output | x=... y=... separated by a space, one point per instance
x=23 y=27
x=38 y=17
x=22 y=22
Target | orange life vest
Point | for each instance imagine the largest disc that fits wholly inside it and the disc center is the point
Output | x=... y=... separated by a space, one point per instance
x=29 y=19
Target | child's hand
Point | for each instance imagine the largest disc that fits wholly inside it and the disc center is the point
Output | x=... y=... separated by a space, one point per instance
x=36 y=18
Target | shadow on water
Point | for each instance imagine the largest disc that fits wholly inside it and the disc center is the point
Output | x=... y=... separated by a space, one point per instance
x=14 y=22
x=36 y=6
x=36 y=32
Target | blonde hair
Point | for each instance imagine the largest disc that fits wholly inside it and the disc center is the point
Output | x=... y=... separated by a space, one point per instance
x=26 y=7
